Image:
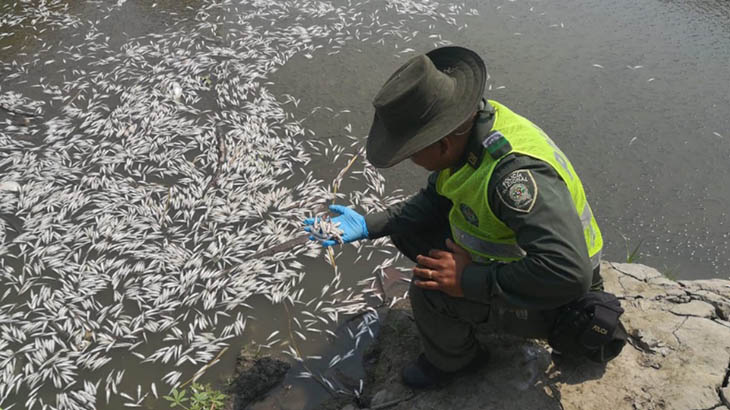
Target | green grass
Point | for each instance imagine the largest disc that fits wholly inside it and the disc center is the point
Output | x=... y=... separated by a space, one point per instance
x=632 y=256
x=670 y=274
x=201 y=397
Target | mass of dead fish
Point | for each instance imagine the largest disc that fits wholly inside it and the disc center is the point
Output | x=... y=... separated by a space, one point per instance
x=144 y=179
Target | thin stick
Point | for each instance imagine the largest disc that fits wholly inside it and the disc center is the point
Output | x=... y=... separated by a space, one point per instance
x=338 y=178
x=392 y=402
x=299 y=353
x=201 y=371
x=74 y=97
x=16 y=112
x=331 y=253
x=335 y=186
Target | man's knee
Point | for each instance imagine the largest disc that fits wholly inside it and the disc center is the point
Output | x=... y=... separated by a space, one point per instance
x=417 y=297
x=425 y=300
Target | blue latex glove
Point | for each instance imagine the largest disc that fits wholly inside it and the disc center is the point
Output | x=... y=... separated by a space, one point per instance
x=350 y=222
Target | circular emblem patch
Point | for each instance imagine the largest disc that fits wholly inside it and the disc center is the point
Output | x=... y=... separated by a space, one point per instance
x=469 y=214
x=519 y=194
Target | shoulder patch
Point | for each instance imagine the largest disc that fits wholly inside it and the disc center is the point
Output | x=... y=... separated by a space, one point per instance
x=496 y=145
x=518 y=190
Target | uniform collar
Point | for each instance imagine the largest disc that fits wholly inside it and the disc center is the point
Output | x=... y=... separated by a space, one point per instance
x=474 y=150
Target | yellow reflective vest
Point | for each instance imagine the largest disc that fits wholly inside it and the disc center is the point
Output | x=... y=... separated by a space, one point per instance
x=480 y=232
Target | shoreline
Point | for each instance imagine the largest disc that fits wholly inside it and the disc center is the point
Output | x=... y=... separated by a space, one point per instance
x=678 y=337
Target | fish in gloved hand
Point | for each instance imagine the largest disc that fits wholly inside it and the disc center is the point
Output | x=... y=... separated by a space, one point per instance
x=348 y=226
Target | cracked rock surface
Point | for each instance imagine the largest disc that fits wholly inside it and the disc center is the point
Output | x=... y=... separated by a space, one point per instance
x=678 y=356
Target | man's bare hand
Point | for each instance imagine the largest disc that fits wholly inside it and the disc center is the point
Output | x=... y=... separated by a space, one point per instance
x=441 y=270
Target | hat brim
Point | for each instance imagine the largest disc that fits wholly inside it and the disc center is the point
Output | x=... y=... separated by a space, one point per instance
x=384 y=149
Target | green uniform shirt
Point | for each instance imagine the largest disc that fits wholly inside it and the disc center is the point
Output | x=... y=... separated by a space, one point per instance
x=556 y=268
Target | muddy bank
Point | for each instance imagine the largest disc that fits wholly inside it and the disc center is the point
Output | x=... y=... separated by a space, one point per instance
x=678 y=357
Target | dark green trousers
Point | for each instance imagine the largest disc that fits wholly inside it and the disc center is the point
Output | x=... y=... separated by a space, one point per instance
x=448 y=325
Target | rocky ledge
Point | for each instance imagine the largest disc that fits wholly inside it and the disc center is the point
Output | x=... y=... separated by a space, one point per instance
x=678 y=357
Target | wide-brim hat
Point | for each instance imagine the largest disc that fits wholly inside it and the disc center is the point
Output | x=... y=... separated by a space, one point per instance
x=423 y=101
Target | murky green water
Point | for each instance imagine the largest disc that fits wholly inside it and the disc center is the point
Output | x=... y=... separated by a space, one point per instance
x=636 y=93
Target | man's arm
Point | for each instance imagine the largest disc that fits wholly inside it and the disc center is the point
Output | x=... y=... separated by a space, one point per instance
x=557 y=268
x=412 y=214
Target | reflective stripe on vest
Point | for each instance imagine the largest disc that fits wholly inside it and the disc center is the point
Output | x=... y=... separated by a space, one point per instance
x=501 y=250
x=585 y=220
x=505 y=250
x=596 y=259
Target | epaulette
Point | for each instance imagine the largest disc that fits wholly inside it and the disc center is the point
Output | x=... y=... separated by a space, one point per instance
x=496 y=144
x=482 y=132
